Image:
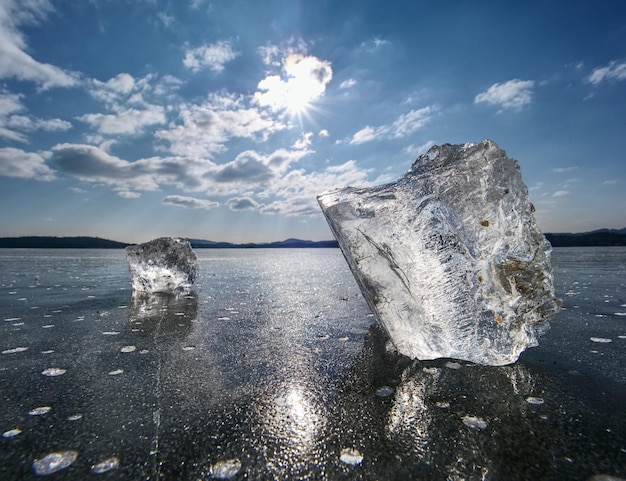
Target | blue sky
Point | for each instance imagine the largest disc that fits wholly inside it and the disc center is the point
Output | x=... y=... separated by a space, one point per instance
x=134 y=119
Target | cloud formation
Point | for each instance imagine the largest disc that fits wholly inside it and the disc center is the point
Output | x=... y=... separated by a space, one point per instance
x=189 y=202
x=213 y=56
x=125 y=122
x=403 y=126
x=15 y=62
x=613 y=71
x=243 y=203
x=15 y=122
x=202 y=130
x=24 y=165
x=513 y=95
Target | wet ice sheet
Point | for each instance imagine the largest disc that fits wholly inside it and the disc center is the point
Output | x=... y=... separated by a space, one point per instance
x=295 y=377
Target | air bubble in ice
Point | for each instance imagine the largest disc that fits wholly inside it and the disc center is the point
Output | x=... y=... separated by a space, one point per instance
x=534 y=400
x=350 y=456
x=226 y=469
x=54 y=462
x=106 y=465
x=15 y=350
x=601 y=340
x=384 y=391
x=474 y=423
x=40 y=411
x=53 y=371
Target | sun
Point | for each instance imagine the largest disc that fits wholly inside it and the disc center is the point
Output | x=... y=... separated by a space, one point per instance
x=303 y=82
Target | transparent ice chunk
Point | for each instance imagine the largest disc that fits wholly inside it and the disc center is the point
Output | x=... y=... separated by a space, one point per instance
x=167 y=264
x=449 y=256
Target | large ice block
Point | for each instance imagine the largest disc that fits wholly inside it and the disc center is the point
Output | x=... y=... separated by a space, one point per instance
x=449 y=256
x=166 y=264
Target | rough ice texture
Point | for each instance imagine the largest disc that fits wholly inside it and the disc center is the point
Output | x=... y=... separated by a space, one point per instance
x=167 y=264
x=449 y=257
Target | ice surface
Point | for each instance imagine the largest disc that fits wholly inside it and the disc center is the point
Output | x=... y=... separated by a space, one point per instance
x=449 y=257
x=167 y=264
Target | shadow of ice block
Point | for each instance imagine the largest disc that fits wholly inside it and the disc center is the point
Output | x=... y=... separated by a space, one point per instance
x=166 y=264
x=449 y=257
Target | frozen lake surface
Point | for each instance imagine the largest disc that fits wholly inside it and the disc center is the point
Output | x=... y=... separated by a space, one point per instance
x=273 y=368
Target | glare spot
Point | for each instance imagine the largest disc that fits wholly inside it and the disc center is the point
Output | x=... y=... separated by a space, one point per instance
x=75 y=417
x=116 y=372
x=110 y=333
x=442 y=404
x=453 y=365
x=54 y=462
x=48 y=326
x=128 y=349
x=189 y=348
x=351 y=456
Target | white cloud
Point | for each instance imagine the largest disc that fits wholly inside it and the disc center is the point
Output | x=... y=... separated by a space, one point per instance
x=125 y=122
x=15 y=62
x=251 y=169
x=297 y=190
x=92 y=164
x=243 y=203
x=165 y=19
x=13 y=126
x=273 y=55
x=303 y=81
x=374 y=44
x=366 y=134
x=189 y=202
x=561 y=193
x=127 y=194
x=403 y=126
x=564 y=170
x=346 y=84
x=213 y=56
x=323 y=133
x=304 y=141
x=514 y=94
x=613 y=71
x=24 y=165
x=205 y=128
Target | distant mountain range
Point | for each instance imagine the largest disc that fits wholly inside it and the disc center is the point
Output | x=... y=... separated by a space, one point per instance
x=601 y=237
x=47 y=242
